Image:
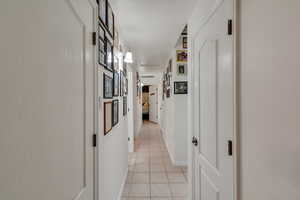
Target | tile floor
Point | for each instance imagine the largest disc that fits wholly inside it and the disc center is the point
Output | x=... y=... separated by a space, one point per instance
x=152 y=176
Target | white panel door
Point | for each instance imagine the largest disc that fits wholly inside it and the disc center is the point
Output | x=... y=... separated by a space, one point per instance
x=213 y=106
x=153 y=104
x=47 y=99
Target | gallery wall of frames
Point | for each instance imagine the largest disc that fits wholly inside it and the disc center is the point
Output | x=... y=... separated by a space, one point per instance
x=111 y=67
x=179 y=75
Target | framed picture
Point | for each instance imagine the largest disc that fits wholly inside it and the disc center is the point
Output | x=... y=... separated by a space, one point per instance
x=182 y=69
x=115 y=118
x=109 y=56
x=102 y=10
x=107 y=117
x=101 y=32
x=181 y=55
x=110 y=21
x=107 y=87
x=184 y=42
x=124 y=106
x=116 y=83
x=181 y=87
x=101 y=56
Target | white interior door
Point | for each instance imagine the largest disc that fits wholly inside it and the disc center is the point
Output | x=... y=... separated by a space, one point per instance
x=153 y=104
x=213 y=107
x=130 y=112
x=46 y=85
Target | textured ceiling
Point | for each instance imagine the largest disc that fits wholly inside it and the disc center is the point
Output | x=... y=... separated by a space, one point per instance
x=150 y=28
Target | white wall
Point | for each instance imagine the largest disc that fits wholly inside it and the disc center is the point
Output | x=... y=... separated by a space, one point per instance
x=269 y=99
x=174 y=117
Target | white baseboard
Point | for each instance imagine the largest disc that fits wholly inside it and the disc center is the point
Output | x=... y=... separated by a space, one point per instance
x=123 y=185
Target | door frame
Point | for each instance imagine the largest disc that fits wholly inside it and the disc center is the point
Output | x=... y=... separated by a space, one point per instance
x=235 y=138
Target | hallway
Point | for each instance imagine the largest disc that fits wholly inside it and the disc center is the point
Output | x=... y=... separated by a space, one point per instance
x=151 y=173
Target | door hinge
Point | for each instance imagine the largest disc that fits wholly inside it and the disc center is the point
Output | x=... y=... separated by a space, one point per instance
x=94 y=140
x=229 y=147
x=229 y=27
x=129 y=139
x=94 y=38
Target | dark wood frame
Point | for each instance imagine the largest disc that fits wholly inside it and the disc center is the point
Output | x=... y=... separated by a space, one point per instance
x=113 y=112
x=104 y=117
x=104 y=86
x=116 y=76
x=179 y=82
x=111 y=32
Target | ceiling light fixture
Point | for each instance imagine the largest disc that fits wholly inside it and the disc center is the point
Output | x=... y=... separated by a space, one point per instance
x=128 y=57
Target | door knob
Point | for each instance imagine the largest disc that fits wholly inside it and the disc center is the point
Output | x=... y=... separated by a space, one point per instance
x=195 y=141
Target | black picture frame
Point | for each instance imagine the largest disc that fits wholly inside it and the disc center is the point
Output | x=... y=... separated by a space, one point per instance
x=115 y=112
x=107 y=87
x=109 y=56
x=125 y=106
x=181 y=87
x=102 y=11
x=101 y=45
x=116 y=84
x=110 y=20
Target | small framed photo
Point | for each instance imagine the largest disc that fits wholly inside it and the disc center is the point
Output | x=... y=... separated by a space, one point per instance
x=107 y=117
x=181 y=55
x=182 y=69
x=115 y=119
x=109 y=56
x=184 y=43
x=110 y=21
x=116 y=84
x=102 y=10
x=107 y=87
x=181 y=87
x=124 y=106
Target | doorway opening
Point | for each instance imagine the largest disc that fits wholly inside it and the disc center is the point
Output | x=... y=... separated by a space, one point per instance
x=145 y=103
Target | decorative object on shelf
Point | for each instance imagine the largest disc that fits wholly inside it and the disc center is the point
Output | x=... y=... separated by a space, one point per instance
x=110 y=21
x=181 y=69
x=181 y=87
x=181 y=55
x=184 y=43
x=107 y=87
x=115 y=118
x=102 y=11
x=109 y=56
x=116 y=83
x=107 y=117
x=124 y=106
